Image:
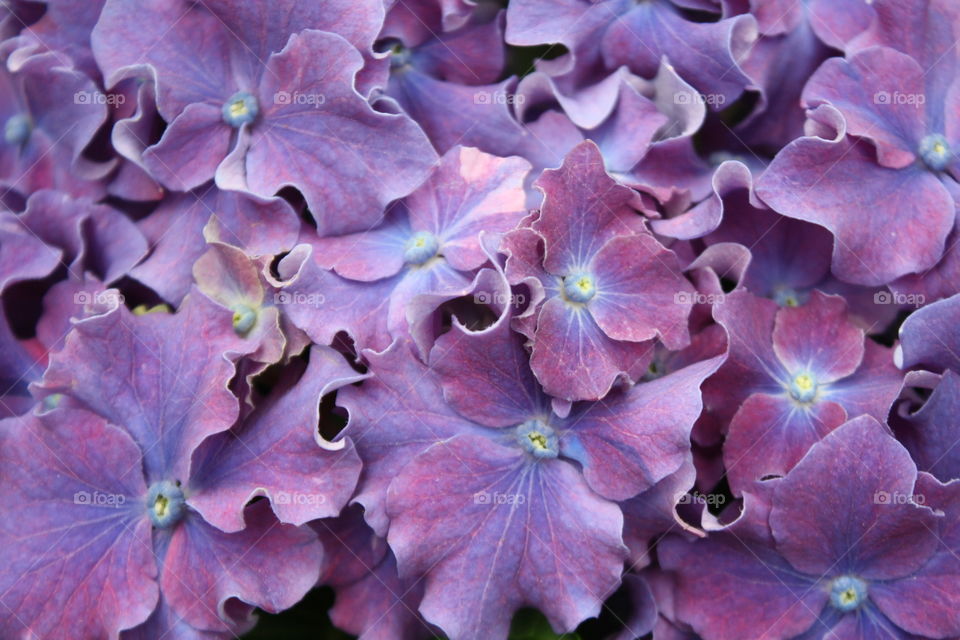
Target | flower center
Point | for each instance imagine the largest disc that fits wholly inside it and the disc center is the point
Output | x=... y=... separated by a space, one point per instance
x=787 y=297
x=803 y=388
x=18 y=129
x=579 y=287
x=538 y=439
x=422 y=246
x=399 y=54
x=847 y=593
x=244 y=318
x=242 y=108
x=935 y=151
x=165 y=504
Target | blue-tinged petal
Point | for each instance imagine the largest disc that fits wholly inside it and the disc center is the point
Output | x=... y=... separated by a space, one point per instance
x=347 y=159
x=76 y=555
x=495 y=530
x=163 y=377
x=277 y=452
x=636 y=437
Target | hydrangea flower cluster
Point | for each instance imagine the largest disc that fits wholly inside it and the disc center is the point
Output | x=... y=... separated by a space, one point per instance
x=480 y=320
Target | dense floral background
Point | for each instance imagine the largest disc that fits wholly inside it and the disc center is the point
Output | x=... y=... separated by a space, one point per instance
x=403 y=319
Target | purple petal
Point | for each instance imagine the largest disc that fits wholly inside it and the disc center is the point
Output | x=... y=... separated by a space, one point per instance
x=176 y=395
x=338 y=167
x=634 y=439
x=76 y=554
x=267 y=565
x=868 y=524
x=561 y=555
x=830 y=182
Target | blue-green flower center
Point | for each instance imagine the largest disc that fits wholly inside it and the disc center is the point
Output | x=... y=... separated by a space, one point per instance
x=935 y=152
x=787 y=297
x=579 y=287
x=244 y=317
x=538 y=439
x=166 y=504
x=421 y=247
x=242 y=108
x=17 y=130
x=847 y=593
x=803 y=387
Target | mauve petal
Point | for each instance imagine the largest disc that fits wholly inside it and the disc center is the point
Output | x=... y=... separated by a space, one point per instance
x=381 y=606
x=829 y=182
x=751 y=364
x=863 y=522
x=744 y=589
x=94 y=237
x=928 y=337
x=177 y=393
x=933 y=432
x=873 y=388
x=926 y=603
x=321 y=303
x=268 y=565
x=278 y=452
x=575 y=360
x=264 y=29
x=76 y=556
x=583 y=208
x=170 y=37
x=706 y=54
x=886 y=107
x=642 y=293
x=350 y=160
x=925 y=30
x=836 y=22
x=469 y=192
x=819 y=338
x=486 y=375
x=369 y=255
x=635 y=438
x=557 y=548
x=770 y=434
x=394 y=416
x=192 y=147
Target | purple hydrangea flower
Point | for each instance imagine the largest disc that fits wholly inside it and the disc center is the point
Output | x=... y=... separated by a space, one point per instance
x=466 y=459
x=792 y=375
x=593 y=264
x=852 y=543
x=152 y=525
x=430 y=243
x=249 y=98
x=891 y=136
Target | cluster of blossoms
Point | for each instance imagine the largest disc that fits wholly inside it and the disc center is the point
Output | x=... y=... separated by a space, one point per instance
x=639 y=310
